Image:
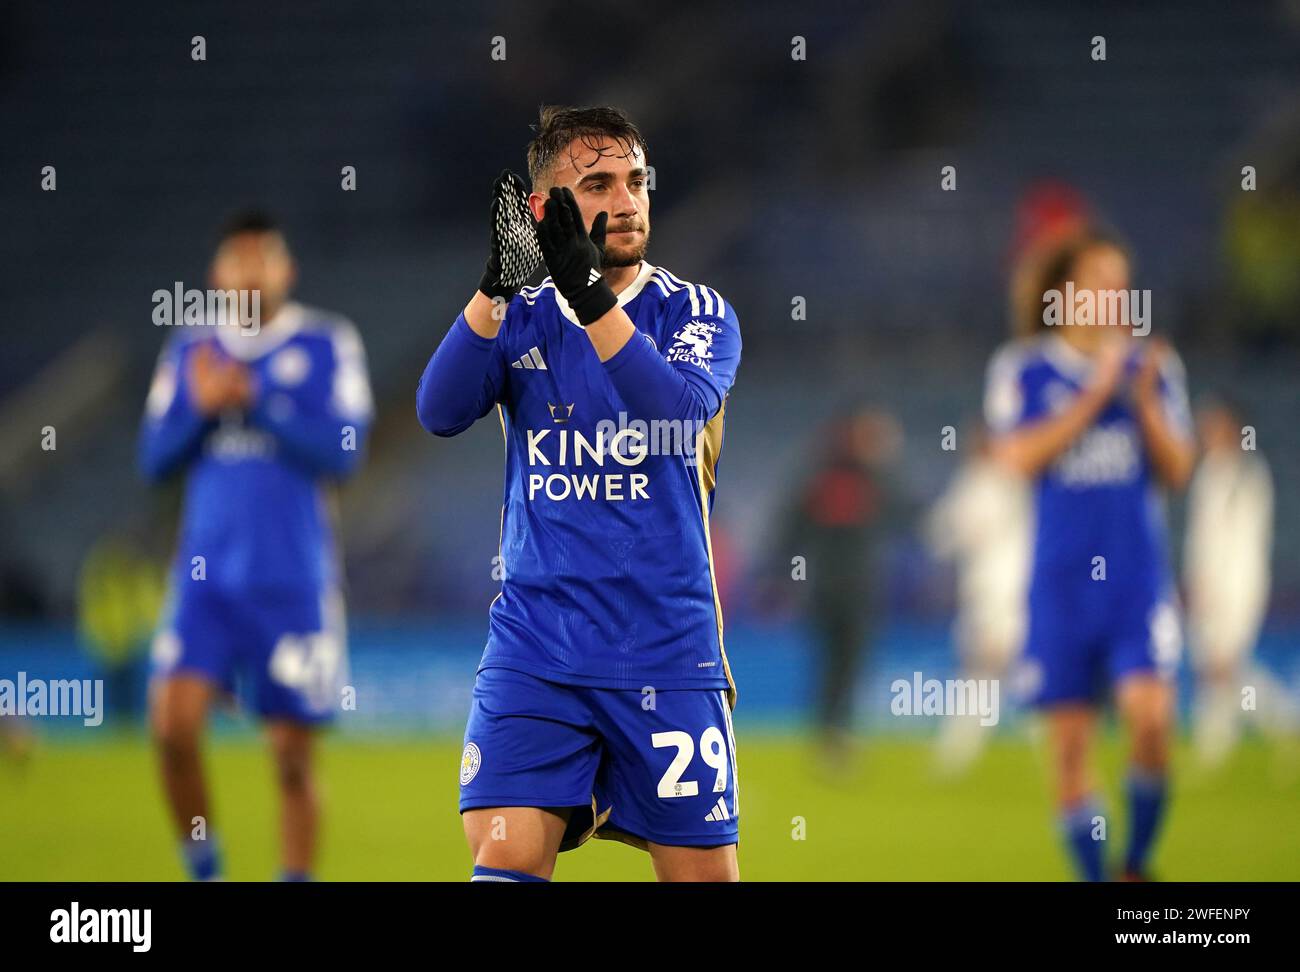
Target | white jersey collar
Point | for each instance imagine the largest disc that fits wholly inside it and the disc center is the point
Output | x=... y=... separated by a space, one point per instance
x=1065 y=357
x=624 y=297
x=247 y=345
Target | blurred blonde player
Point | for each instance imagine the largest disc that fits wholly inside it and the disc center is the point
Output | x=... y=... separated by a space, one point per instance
x=982 y=523
x=1226 y=572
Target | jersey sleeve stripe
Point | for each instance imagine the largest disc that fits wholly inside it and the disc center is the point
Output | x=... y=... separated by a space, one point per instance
x=690 y=289
x=530 y=300
x=665 y=284
x=663 y=289
x=703 y=298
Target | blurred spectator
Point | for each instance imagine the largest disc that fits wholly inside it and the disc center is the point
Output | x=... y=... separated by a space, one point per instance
x=982 y=523
x=836 y=522
x=120 y=599
x=1226 y=570
x=1262 y=244
x=20 y=585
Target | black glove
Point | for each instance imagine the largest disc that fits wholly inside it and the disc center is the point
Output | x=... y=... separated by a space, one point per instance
x=514 y=255
x=574 y=258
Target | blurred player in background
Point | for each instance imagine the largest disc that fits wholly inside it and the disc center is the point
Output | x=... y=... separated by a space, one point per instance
x=1226 y=574
x=982 y=523
x=837 y=521
x=1097 y=420
x=603 y=701
x=260 y=420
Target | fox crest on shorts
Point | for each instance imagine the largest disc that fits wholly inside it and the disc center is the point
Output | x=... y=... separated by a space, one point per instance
x=470 y=760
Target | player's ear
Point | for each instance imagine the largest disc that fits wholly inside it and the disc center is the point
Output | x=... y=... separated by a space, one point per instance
x=537 y=205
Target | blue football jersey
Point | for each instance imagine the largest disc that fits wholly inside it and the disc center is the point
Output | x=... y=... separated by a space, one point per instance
x=1098 y=499
x=607 y=567
x=255 y=507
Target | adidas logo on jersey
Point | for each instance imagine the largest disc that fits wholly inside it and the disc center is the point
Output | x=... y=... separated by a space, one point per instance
x=593 y=278
x=532 y=360
x=719 y=812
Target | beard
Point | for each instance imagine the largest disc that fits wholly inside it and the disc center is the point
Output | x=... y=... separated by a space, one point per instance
x=627 y=255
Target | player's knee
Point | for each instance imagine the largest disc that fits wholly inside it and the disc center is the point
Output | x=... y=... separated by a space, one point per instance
x=682 y=864
x=1073 y=784
x=489 y=846
x=1072 y=773
x=293 y=771
x=178 y=752
x=176 y=737
x=1072 y=755
x=505 y=856
x=1150 y=735
x=719 y=871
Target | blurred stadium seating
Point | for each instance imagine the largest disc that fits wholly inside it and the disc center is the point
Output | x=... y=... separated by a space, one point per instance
x=826 y=188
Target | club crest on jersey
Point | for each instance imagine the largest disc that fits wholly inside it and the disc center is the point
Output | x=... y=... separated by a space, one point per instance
x=694 y=343
x=290 y=366
x=470 y=760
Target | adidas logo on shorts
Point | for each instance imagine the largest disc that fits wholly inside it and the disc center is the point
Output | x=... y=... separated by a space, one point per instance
x=719 y=812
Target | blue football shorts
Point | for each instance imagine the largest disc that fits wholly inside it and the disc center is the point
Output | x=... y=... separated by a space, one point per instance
x=1083 y=641
x=283 y=653
x=634 y=765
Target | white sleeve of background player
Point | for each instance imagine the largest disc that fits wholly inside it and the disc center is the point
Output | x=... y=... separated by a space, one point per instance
x=162 y=390
x=167 y=388
x=1004 y=396
x=350 y=396
x=172 y=429
x=1173 y=392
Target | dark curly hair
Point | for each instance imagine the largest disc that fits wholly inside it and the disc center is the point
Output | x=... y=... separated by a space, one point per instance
x=559 y=125
x=1051 y=269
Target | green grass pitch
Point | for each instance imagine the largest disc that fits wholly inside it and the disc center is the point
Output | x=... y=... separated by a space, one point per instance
x=80 y=811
